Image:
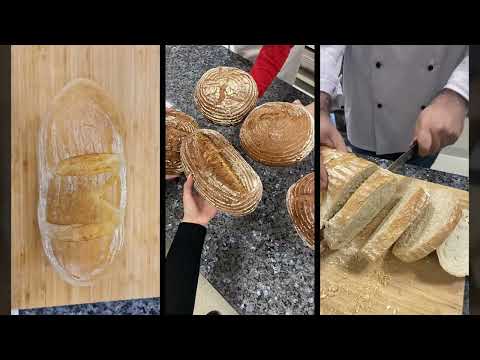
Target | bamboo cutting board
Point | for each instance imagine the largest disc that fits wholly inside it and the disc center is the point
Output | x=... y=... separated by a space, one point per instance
x=389 y=286
x=131 y=76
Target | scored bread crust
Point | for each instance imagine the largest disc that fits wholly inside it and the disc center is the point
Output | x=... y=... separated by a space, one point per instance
x=346 y=173
x=178 y=125
x=225 y=95
x=407 y=210
x=301 y=208
x=278 y=134
x=415 y=245
x=458 y=241
x=221 y=174
x=361 y=208
x=82 y=182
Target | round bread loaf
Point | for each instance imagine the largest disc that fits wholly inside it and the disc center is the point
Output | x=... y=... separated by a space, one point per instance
x=82 y=182
x=278 y=134
x=301 y=208
x=178 y=125
x=220 y=173
x=225 y=95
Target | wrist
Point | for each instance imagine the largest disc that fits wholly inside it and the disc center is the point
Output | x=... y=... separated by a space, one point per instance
x=194 y=221
x=452 y=98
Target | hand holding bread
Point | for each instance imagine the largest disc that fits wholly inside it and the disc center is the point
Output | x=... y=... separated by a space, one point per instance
x=329 y=136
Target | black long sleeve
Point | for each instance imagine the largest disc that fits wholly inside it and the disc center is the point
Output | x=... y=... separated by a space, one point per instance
x=182 y=269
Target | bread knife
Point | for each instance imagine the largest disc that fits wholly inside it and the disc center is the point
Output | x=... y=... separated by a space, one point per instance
x=401 y=161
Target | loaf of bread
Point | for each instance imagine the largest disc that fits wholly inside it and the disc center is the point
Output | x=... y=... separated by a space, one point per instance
x=178 y=125
x=301 y=208
x=220 y=173
x=411 y=205
x=361 y=208
x=346 y=173
x=431 y=229
x=82 y=182
x=278 y=134
x=453 y=254
x=225 y=95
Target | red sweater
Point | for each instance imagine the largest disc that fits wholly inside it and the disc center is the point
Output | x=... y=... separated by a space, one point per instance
x=268 y=64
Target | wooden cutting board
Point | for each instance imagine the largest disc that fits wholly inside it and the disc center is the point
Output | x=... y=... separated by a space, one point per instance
x=131 y=75
x=351 y=286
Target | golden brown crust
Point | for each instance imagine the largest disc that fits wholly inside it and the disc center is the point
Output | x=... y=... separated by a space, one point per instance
x=225 y=95
x=301 y=208
x=221 y=175
x=178 y=125
x=278 y=134
x=89 y=164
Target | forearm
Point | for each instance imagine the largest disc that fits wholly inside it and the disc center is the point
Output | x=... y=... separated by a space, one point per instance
x=182 y=269
x=325 y=102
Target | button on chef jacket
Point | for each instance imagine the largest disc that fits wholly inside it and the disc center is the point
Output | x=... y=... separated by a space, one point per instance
x=386 y=86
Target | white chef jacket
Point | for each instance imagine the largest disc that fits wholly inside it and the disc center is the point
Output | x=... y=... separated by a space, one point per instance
x=386 y=86
x=289 y=71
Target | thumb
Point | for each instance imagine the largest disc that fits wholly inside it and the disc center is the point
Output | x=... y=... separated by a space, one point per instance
x=424 y=140
x=298 y=102
x=188 y=187
x=338 y=141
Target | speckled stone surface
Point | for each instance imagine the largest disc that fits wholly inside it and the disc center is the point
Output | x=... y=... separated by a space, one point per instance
x=129 y=307
x=257 y=262
x=439 y=177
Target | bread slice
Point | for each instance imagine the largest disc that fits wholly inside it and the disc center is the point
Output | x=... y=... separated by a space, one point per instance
x=362 y=207
x=345 y=174
x=453 y=253
x=431 y=229
x=413 y=203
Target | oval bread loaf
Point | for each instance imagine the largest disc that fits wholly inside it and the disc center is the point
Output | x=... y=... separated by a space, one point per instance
x=225 y=95
x=301 y=208
x=178 y=125
x=221 y=174
x=278 y=134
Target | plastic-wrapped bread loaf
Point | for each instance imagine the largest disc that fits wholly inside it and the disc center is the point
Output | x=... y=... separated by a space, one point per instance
x=225 y=95
x=278 y=134
x=82 y=182
x=178 y=125
x=301 y=208
x=220 y=173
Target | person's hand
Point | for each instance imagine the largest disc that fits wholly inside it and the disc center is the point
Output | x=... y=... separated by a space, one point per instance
x=310 y=108
x=441 y=123
x=195 y=209
x=329 y=136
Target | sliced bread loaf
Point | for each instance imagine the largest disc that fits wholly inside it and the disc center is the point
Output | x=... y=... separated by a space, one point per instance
x=361 y=208
x=345 y=174
x=430 y=229
x=413 y=203
x=453 y=253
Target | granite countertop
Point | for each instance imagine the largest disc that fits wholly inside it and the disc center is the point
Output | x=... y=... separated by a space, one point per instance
x=258 y=263
x=126 y=307
x=439 y=177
